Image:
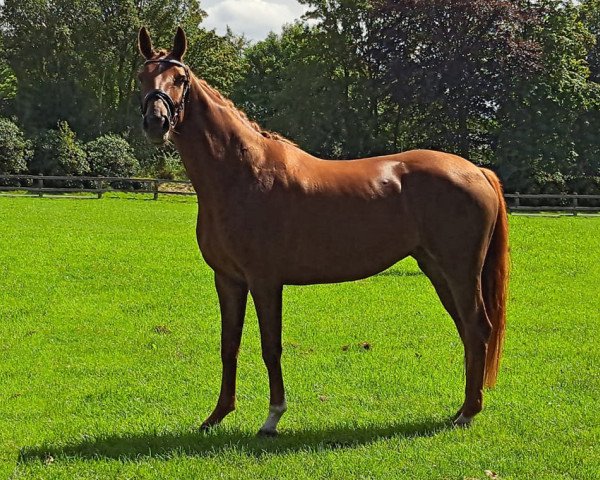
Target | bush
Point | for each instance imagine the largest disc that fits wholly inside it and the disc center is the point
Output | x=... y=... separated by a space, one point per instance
x=111 y=156
x=58 y=152
x=163 y=162
x=167 y=165
x=15 y=151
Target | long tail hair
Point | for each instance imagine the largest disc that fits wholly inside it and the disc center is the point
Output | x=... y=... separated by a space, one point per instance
x=495 y=283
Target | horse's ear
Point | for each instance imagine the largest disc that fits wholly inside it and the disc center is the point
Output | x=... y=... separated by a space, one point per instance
x=179 y=44
x=145 y=44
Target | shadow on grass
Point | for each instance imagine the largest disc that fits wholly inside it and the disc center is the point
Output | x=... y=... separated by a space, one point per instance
x=212 y=443
x=400 y=273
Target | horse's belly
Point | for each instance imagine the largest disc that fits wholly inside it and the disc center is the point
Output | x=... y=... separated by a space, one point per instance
x=313 y=274
x=344 y=251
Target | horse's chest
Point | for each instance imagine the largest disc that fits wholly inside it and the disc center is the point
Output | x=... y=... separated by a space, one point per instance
x=221 y=244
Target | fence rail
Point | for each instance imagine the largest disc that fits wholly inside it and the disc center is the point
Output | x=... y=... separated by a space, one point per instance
x=40 y=185
x=570 y=203
x=55 y=184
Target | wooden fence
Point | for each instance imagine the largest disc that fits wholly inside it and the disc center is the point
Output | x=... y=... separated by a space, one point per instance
x=547 y=202
x=40 y=185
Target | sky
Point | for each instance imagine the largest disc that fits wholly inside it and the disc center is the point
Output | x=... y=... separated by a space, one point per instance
x=254 y=18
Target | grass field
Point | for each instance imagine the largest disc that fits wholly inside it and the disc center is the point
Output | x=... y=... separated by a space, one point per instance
x=109 y=359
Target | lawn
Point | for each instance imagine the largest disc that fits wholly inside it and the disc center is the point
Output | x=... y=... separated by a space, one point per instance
x=109 y=359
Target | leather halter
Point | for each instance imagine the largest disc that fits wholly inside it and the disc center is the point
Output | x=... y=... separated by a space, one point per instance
x=173 y=111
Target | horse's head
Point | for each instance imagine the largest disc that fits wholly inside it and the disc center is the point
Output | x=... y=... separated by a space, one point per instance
x=165 y=84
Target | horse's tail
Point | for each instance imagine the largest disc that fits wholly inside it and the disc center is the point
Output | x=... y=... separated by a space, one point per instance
x=495 y=283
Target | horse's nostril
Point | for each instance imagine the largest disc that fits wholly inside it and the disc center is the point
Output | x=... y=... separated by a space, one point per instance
x=156 y=123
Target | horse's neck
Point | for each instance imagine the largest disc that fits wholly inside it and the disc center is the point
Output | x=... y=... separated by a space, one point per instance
x=212 y=141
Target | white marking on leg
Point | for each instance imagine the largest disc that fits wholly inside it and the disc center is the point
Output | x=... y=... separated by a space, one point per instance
x=275 y=413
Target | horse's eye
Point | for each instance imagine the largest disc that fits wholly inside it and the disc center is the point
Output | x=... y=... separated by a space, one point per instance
x=179 y=80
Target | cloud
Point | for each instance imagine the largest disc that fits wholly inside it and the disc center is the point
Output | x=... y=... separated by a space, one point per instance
x=254 y=18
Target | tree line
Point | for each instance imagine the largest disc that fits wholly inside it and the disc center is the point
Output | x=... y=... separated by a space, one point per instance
x=511 y=85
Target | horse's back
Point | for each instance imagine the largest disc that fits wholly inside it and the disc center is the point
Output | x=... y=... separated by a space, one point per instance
x=407 y=181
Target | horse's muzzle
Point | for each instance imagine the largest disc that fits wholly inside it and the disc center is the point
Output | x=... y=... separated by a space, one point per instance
x=156 y=128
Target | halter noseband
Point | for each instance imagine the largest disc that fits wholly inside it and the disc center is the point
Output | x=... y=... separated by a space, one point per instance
x=174 y=111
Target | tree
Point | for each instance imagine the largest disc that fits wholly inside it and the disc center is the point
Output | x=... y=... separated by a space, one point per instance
x=536 y=140
x=286 y=90
x=590 y=15
x=314 y=83
x=451 y=65
x=217 y=59
x=77 y=60
x=587 y=126
x=268 y=62
x=15 y=150
x=8 y=81
x=344 y=35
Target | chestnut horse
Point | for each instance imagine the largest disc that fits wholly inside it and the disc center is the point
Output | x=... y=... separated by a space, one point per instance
x=270 y=214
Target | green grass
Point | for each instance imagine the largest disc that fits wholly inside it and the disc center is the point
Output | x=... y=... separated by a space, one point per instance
x=90 y=388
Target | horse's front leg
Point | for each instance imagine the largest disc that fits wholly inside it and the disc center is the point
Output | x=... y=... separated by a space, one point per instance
x=232 y=300
x=267 y=300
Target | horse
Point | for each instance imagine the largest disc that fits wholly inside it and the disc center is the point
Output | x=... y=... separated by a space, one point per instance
x=271 y=214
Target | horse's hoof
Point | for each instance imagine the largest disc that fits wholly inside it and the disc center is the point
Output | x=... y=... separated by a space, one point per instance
x=462 y=421
x=267 y=433
x=207 y=427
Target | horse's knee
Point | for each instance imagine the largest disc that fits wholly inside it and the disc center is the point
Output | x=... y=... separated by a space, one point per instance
x=229 y=353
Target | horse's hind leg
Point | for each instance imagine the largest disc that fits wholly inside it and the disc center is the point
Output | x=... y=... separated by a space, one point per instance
x=430 y=268
x=477 y=331
x=460 y=293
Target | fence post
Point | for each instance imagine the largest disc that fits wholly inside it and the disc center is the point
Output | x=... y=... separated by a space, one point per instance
x=99 y=188
x=517 y=201
x=155 y=186
x=40 y=185
x=575 y=204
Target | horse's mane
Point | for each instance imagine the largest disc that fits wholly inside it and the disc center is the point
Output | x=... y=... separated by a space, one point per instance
x=227 y=103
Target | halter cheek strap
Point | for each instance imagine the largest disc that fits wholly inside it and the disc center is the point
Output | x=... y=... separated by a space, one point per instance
x=174 y=111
